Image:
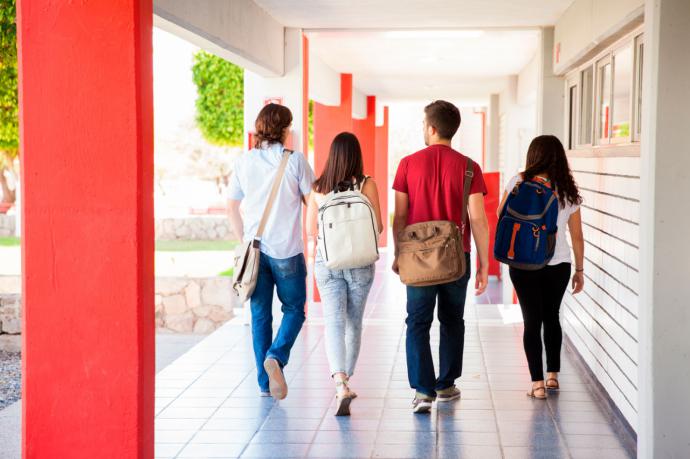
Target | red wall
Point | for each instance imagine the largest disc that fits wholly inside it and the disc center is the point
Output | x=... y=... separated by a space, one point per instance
x=88 y=242
x=491 y=202
x=365 y=130
x=329 y=121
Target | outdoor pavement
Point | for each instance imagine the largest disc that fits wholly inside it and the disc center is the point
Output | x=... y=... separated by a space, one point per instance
x=207 y=401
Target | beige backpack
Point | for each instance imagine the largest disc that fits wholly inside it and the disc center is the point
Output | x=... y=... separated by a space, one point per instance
x=431 y=253
x=247 y=254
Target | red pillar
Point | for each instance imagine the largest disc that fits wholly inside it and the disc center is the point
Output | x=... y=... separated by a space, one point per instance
x=329 y=121
x=381 y=172
x=87 y=165
x=365 y=130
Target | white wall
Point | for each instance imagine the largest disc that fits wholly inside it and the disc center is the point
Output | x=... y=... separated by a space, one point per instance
x=665 y=251
x=324 y=82
x=587 y=23
x=602 y=321
x=238 y=31
x=289 y=87
x=359 y=104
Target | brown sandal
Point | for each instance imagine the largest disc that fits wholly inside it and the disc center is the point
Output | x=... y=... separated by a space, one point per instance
x=554 y=386
x=533 y=393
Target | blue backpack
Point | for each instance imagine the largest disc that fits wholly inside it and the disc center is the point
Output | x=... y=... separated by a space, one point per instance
x=527 y=226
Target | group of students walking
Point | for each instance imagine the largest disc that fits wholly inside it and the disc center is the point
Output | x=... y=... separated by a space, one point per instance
x=439 y=204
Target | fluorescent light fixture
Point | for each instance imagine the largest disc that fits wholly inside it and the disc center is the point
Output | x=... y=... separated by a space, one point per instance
x=433 y=33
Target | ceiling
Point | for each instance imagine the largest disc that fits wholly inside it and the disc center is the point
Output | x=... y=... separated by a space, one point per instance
x=358 y=14
x=407 y=65
x=422 y=49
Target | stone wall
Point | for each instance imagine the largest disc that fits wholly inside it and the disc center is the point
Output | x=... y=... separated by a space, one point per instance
x=201 y=228
x=10 y=314
x=193 y=305
x=182 y=305
x=7 y=225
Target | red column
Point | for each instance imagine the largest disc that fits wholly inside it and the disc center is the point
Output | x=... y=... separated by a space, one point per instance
x=381 y=172
x=329 y=121
x=87 y=166
x=365 y=130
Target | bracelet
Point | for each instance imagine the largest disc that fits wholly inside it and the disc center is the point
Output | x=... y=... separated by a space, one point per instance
x=579 y=270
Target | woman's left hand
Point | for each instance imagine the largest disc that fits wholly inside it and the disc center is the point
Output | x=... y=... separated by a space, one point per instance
x=578 y=282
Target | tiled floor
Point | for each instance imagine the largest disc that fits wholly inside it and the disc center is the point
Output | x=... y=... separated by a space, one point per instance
x=208 y=406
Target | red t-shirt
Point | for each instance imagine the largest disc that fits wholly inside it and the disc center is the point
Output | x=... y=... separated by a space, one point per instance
x=433 y=179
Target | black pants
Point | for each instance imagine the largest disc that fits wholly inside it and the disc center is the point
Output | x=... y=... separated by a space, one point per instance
x=540 y=294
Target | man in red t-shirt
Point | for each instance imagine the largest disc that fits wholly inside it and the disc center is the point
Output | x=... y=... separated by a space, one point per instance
x=429 y=186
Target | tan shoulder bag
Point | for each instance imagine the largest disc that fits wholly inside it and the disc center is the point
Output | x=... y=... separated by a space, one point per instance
x=247 y=254
x=431 y=253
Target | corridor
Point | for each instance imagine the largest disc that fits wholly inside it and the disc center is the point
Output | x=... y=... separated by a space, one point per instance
x=207 y=402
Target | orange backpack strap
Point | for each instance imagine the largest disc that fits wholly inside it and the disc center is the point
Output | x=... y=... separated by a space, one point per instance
x=511 y=250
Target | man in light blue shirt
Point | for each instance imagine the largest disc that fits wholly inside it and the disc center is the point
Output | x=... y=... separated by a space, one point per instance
x=282 y=264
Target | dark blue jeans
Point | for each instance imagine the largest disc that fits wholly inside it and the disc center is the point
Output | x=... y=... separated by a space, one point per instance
x=288 y=276
x=421 y=302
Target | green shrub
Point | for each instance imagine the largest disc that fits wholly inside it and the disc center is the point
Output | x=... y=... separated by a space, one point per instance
x=220 y=101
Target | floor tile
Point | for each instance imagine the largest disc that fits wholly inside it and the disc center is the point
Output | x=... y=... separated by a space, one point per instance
x=208 y=403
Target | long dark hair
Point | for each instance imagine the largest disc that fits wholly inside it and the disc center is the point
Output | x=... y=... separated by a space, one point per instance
x=344 y=163
x=547 y=155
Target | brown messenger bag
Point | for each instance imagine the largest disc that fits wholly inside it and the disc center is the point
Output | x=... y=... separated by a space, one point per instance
x=432 y=253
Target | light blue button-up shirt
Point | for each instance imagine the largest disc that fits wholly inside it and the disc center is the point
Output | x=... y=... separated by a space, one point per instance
x=251 y=183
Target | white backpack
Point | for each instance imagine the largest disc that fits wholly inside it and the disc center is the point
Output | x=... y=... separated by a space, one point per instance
x=348 y=234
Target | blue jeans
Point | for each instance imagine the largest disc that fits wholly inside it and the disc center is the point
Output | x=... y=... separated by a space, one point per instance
x=289 y=278
x=343 y=296
x=421 y=302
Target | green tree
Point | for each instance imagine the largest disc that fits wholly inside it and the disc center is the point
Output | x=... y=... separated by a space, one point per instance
x=220 y=101
x=9 y=120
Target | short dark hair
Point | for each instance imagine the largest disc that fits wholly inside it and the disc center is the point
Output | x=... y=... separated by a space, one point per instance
x=443 y=116
x=271 y=123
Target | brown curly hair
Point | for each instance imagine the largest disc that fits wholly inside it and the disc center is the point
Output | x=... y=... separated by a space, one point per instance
x=271 y=124
x=546 y=155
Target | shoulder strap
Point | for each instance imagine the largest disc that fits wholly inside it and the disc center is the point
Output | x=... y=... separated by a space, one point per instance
x=274 y=192
x=467 y=184
x=360 y=185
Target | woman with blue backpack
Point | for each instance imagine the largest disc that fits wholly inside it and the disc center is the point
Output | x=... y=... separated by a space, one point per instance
x=344 y=208
x=537 y=207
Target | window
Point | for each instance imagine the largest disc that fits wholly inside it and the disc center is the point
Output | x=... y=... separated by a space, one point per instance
x=639 y=60
x=603 y=97
x=604 y=100
x=586 y=105
x=572 y=119
x=621 y=116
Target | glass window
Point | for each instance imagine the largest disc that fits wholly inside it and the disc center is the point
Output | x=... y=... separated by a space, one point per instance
x=622 y=92
x=572 y=119
x=638 y=86
x=604 y=100
x=586 y=107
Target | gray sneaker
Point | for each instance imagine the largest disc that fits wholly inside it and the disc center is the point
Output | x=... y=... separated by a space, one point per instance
x=421 y=403
x=448 y=394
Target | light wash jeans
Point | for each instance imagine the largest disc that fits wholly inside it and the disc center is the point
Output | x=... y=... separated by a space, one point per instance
x=343 y=296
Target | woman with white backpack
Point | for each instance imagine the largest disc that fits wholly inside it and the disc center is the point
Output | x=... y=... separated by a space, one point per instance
x=344 y=208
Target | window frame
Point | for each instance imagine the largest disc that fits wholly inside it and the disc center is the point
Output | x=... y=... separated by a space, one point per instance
x=631 y=87
x=635 y=125
x=572 y=127
x=602 y=62
x=592 y=105
x=628 y=145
